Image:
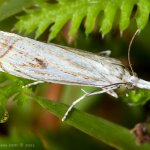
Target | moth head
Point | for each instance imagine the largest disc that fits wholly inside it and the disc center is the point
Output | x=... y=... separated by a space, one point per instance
x=133 y=80
x=140 y=83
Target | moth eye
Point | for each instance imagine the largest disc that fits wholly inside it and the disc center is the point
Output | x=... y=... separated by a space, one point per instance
x=135 y=74
x=130 y=85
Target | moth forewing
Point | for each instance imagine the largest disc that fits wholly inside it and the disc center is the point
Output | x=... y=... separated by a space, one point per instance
x=35 y=60
x=27 y=58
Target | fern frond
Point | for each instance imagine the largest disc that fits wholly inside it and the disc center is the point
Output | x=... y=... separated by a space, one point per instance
x=60 y=13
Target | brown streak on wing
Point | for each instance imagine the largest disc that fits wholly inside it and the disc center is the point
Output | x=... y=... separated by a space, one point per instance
x=41 y=63
x=9 y=47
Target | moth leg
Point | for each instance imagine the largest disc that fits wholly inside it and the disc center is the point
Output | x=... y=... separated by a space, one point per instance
x=85 y=92
x=86 y=95
x=105 y=53
x=31 y=84
x=112 y=93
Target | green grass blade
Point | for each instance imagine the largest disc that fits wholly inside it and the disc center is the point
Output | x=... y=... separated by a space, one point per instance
x=108 y=132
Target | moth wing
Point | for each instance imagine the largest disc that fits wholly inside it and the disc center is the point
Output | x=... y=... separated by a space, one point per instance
x=96 y=57
x=35 y=60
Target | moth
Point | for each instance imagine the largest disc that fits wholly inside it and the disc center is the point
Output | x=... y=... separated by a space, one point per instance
x=41 y=62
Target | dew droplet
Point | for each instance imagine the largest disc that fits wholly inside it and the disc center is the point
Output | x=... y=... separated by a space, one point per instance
x=127 y=94
x=5 y=117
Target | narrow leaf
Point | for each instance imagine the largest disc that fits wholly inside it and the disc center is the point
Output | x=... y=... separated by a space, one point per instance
x=60 y=22
x=76 y=21
x=109 y=15
x=142 y=13
x=91 y=18
x=126 y=11
x=110 y=133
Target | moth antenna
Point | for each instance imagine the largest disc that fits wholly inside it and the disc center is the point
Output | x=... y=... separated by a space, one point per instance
x=129 y=49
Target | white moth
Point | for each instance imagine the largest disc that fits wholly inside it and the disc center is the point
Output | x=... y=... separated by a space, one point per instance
x=30 y=59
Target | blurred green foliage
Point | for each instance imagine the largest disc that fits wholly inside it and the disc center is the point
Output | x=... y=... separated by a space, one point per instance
x=136 y=96
x=34 y=17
